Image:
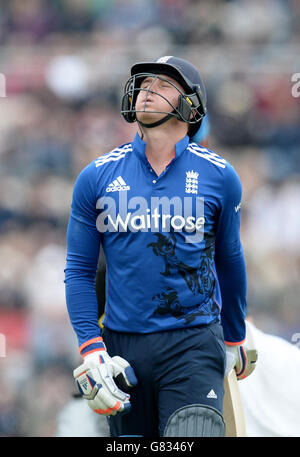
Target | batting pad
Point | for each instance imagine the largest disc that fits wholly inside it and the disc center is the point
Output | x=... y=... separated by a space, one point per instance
x=195 y=421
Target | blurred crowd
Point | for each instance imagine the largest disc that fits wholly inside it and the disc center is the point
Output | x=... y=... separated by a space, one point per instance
x=65 y=63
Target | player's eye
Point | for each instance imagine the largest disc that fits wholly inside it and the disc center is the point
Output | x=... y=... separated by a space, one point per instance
x=146 y=83
x=164 y=83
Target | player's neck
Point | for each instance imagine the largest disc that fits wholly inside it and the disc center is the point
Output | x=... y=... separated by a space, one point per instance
x=160 y=145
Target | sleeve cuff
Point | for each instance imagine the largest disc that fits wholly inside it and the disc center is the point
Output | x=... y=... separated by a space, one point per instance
x=235 y=343
x=93 y=345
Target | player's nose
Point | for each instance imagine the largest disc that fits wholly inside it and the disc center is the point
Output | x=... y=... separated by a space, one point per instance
x=153 y=84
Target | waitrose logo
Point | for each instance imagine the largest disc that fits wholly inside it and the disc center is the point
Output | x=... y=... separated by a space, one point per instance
x=161 y=215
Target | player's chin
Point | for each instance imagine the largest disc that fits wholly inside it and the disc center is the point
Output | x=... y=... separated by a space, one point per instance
x=149 y=116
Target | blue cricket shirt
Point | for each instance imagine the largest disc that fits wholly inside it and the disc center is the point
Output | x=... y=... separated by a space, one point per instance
x=171 y=242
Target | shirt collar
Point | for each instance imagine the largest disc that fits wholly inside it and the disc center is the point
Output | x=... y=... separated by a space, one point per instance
x=139 y=147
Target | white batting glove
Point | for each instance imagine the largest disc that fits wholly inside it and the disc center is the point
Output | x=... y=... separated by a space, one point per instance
x=94 y=379
x=242 y=359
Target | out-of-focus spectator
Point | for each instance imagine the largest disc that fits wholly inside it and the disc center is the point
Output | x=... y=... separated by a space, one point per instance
x=30 y=21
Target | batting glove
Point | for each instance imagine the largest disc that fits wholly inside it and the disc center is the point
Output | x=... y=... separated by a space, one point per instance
x=242 y=359
x=94 y=379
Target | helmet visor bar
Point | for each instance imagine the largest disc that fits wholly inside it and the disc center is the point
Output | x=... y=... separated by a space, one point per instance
x=133 y=87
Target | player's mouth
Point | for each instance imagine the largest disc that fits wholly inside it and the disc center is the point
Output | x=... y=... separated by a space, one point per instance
x=147 y=101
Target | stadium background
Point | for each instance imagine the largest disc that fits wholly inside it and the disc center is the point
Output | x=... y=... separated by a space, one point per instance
x=65 y=63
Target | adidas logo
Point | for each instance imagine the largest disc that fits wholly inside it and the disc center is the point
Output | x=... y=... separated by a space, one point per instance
x=211 y=394
x=117 y=184
x=84 y=385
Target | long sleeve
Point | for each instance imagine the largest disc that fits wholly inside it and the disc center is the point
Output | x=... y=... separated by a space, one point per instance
x=230 y=262
x=83 y=244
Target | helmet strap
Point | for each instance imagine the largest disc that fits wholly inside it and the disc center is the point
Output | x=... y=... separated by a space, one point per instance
x=157 y=123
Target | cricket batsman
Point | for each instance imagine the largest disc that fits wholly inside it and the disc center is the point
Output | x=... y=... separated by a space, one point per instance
x=166 y=213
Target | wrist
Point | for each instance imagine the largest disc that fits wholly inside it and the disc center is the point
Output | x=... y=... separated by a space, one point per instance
x=92 y=346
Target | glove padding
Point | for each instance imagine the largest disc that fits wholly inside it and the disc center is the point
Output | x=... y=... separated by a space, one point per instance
x=94 y=379
x=242 y=359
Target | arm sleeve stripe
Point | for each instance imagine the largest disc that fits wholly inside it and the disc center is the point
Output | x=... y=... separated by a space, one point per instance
x=235 y=343
x=93 y=340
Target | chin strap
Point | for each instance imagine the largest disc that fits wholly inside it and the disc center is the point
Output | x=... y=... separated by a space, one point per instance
x=157 y=123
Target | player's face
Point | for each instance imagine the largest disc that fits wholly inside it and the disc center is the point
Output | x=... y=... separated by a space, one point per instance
x=157 y=97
